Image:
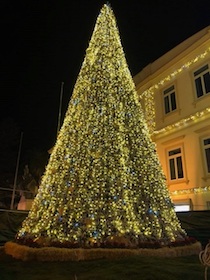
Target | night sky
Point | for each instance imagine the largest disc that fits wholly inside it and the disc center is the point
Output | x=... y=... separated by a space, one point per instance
x=44 y=42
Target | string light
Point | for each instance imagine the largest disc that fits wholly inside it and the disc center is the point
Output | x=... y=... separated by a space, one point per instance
x=195 y=190
x=148 y=94
x=104 y=181
x=198 y=116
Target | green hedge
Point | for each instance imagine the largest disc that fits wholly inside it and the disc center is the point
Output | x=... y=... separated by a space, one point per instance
x=10 y=222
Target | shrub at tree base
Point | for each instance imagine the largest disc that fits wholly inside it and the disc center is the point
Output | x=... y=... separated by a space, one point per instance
x=27 y=253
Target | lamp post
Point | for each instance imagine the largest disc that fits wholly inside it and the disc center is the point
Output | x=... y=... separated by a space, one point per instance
x=60 y=106
x=16 y=173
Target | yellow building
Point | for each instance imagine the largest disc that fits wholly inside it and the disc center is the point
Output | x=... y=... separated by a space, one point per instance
x=175 y=95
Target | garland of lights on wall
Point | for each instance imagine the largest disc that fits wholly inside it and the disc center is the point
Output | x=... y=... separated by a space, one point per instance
x=191 y=191
x=183 y=122
x=149 y=100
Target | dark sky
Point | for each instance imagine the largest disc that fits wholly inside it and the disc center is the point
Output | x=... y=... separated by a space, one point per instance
x=44 y=42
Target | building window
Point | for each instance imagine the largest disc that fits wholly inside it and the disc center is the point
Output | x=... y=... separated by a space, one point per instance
x=182 y=208
x=169 y=99
x=175 y=164
x=183 y=205
x=206 y=149
x=202 y=81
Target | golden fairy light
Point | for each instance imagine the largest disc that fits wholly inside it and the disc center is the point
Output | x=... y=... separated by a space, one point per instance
x=104 y=182
x=148 y=95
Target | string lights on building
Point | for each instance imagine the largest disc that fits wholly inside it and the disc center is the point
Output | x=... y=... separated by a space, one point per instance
x=184 y=122
x=195 y=190
x=148 y=96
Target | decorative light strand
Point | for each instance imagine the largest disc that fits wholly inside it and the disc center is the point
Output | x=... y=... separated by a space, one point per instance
x=149 y=93
x=195 y=190
x=184 y=122
x=104 y=182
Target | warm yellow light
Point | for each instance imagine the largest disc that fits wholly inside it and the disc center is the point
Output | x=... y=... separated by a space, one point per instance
x=198 y=116
x=191 y=191
x=104 y=182
x=148 y=94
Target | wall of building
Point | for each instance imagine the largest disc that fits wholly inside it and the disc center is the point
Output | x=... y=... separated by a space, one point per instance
x=184 y=127
x=195 y=176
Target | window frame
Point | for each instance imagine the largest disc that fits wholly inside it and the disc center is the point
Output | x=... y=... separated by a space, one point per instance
x=175 y=156
x=200 y=75
x=183 y=202
x=205 y=160
x=169 y=92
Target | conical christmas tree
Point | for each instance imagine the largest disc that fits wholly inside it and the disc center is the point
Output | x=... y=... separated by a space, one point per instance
x=104 y=184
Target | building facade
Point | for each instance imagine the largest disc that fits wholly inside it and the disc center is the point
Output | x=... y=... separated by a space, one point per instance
x=175 y=94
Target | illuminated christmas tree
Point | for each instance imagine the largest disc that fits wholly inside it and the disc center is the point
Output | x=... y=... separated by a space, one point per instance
x=103 y=185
